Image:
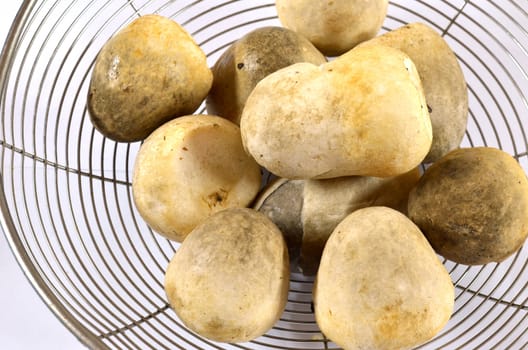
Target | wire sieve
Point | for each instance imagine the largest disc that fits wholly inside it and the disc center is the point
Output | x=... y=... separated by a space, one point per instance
x=65 y=193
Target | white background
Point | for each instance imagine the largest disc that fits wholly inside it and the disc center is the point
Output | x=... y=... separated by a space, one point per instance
x=25 y=321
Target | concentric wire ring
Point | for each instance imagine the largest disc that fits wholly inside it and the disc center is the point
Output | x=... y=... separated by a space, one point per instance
x=66 y=202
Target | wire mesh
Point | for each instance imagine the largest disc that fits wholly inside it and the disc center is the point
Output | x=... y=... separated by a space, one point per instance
x=66 y=201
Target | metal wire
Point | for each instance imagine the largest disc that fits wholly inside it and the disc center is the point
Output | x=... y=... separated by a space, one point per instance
x=65 y=198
